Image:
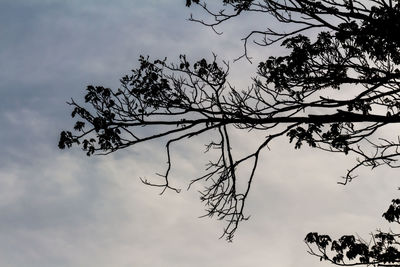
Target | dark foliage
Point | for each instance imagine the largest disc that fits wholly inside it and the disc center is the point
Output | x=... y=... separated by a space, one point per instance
x=383 y=249
x=332 y=91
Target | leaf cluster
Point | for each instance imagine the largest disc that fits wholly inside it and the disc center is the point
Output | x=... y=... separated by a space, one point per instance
x=383 y=249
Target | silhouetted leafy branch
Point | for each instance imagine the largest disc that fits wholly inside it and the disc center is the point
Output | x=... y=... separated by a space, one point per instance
x=332 y=91
x=383 y=249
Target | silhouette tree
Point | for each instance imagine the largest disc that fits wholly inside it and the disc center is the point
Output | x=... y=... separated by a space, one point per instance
x=335 y=88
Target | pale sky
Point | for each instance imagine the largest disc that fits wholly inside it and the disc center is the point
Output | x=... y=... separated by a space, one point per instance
x=61 y=208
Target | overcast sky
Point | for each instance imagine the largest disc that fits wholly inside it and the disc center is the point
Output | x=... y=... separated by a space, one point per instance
x=61 y=208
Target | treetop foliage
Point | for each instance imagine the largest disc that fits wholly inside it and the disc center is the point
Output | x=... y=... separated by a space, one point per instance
x=382 y=250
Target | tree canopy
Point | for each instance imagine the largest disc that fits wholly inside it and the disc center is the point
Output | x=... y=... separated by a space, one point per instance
x=336 y=86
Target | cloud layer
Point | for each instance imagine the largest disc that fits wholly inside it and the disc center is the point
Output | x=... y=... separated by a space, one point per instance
x=60 y=208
